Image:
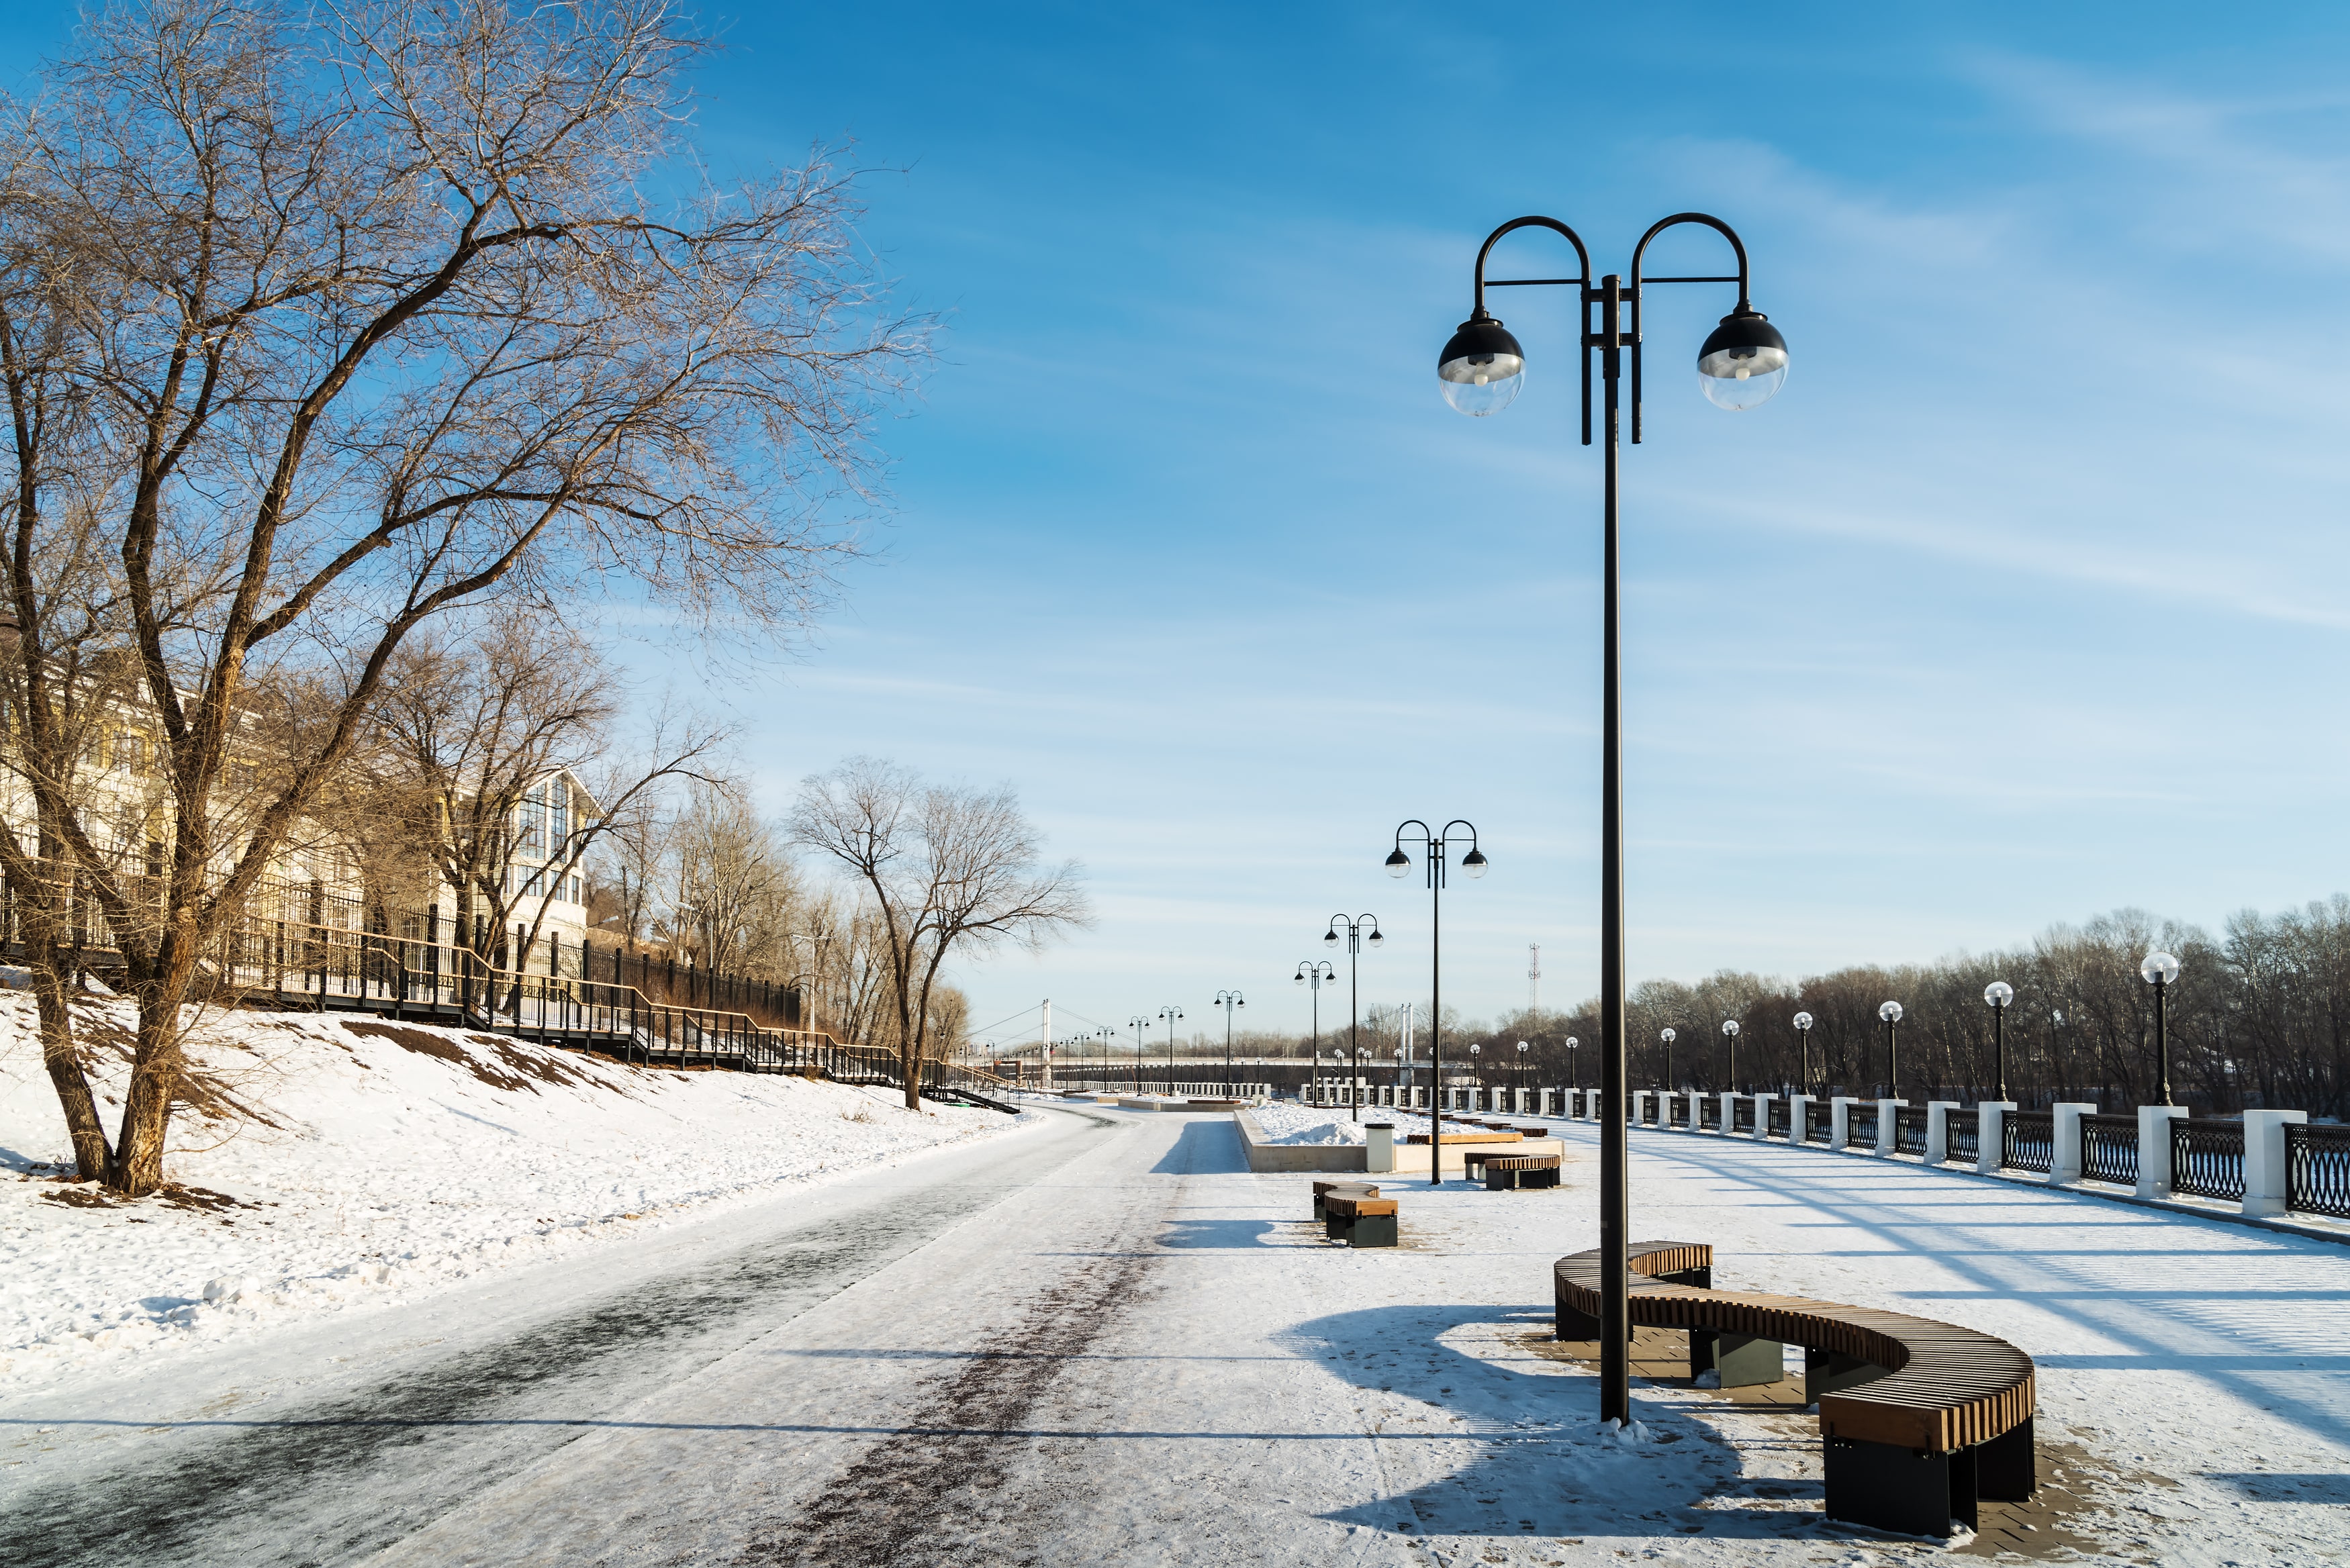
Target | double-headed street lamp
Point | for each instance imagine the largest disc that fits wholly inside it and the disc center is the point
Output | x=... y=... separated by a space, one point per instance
x=1140 y=1024
x=1891 y=1013
x=2159 y=970
x=1312 y=974
x=1741 y=364
x=1997 y=995
x=1803 y=1034
x=1472 y=865
x=1170 y=1012
x=1228 y=999
x=1355 y=938
x=1730 y=1033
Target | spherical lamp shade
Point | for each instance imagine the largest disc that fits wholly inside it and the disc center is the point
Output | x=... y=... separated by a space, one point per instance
x=1890 y=1013
x=1398 y=862
x=1743 y=362
x=1482 y=368
x=1299 y=977
x=1669 y=1036
x=1803 y=1021
x=1730 y=1027
x=1476 y=1050
x=1376 y=939
x=1330 y=937
x=1572 y=1041
x=1474 y=863
x=2159 y=965
x=1998 y=994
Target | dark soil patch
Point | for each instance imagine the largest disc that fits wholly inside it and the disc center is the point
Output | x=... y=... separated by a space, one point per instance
x=441 y=1047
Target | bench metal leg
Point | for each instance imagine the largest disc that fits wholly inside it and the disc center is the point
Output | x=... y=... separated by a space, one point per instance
x=1825 y=1372
x=1745 y=1360
x=1374 y=1230
x=2006 y=1467
x=1893 y=1489
x=1334 y=1227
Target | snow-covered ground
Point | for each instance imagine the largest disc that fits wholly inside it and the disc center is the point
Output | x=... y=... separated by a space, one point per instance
x=328 y=1166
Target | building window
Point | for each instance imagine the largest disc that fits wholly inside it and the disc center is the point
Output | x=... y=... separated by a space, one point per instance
x=130 y=753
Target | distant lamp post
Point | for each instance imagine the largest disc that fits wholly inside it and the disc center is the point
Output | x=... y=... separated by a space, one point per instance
x=1891 y=1013
x=1996 y=996
x=2159 y=970
x=1522 y=1048
x=1803 y=1034
x=1355 y=938
x=1228 y=999
x=1171 y=1014
x=1472 y=864
x=1140 y=1024
x=1730 y=1033
x=1574 y=1062
x=1315 y=976
x=1667 y=1036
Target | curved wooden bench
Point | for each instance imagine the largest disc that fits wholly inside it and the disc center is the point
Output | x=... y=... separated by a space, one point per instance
x=1918 y=1418
x=1322 y=1190
x=1505 y=1171
x=1359 y=1219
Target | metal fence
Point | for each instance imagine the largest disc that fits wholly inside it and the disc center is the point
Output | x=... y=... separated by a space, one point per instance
x=2207 y=1158
x=1779 y=1112
x=1860 y=1127
x=1709 y=1112
x=1819 y=1120
x=1962 y=1139
x=2109 y=1150
x=2317 y=1168
x=1910 y=1130
x=1742 y=1115
x=2028 y=1139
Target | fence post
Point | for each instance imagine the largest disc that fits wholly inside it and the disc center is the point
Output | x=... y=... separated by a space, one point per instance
x=1938 y=1129
x=2154 y=1173
x=2064 y=1159
x=1888 y=1125
x=1840 y=1119
x=1799 y=1118
x=1991 y=1136
x=1762 y=1116
x=2264 y=1159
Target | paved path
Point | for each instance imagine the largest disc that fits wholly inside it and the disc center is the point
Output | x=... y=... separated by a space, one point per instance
x=1103 y=1341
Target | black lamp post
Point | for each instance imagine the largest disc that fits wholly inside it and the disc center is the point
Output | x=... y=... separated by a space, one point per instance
x=1741 y=364
x=1312 y=975
x=1473 y=865
x=1667 y=1036
x=1141 y=1026
x=2159 y=970
x=1574 y=1062
x=1730 y=1033
x=1171 y=1014
x=1228 y=999
x=1803 y=1034
x=1997 y=995
x=1354 y=940
x=1891 y=1013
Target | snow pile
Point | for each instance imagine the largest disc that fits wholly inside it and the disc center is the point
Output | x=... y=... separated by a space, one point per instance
x=325 y=1164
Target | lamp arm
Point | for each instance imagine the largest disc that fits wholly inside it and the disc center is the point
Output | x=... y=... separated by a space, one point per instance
x=1581 y=283
x=1639 y=251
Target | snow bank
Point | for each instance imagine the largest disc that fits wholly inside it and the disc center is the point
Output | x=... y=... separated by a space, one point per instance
x=328 y=1165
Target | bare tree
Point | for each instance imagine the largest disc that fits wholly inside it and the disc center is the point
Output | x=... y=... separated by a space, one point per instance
x=381 y=312
x=945 y=867
x=735 y=894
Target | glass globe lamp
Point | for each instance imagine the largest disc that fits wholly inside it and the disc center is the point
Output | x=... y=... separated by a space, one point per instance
x=2159 y=965
x=1743 y=362
x=1398 y=862
x=1482 y=369
x=1803 y=1020
x=1998 y=994
x=1890 y=1013
x=1474 y=863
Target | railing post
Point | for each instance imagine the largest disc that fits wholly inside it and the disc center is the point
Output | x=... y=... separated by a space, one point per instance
x=2065 y=1157
x=1799 y=1118
x=1840 y=1119
x=2154 y=1173
x=1762 y=1116
x=1991 y=1136
x=1938 y=1129
x=2264 y=1159
x=1888 y=1126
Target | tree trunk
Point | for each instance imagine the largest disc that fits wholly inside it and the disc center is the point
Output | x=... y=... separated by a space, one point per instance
x=138 y=1165
x=63 y=1063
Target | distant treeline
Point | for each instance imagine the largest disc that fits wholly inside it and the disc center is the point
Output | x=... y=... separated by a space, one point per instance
x=2257 y=1016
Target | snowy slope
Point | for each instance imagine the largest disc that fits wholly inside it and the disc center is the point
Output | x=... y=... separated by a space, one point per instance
x=335 y=1164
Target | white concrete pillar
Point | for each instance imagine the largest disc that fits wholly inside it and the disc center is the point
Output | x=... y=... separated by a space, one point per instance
x=1884 y=1124
x=1729 y=1112
x=2154 y=1173
x=1938 y=1128
x=2064 y=1162
x=1991 y=1135
x=1799 y=1115
x=1640 y=1107
x=2265 y=1171
x=1696 y=1112
x=1763 y=1115
x=1840 y=1118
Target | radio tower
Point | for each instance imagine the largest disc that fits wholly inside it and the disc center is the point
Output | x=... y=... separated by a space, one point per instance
x=1533 y=977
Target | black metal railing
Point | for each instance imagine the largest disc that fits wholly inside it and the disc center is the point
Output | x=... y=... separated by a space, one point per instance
x=2028 y=1140
x=2317 y=1168
x=2207 y=1158
x=1709 y=1113
x=1819 y=1121
x=1780 y=1111
x=1910 y=1130
x=1962 y=1136
x=1742 y=1115
x=2109 y=1150
x=1860 y=1125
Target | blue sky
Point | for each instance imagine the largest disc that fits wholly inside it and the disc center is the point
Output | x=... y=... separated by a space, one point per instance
x=2026 y=600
